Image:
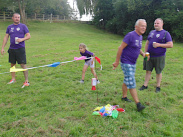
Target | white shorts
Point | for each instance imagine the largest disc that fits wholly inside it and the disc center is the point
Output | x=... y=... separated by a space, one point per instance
x=89 y=63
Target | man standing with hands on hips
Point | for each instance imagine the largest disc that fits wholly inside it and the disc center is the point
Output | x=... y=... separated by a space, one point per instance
x=17 y=32
x=128 y=53
x=157 y=42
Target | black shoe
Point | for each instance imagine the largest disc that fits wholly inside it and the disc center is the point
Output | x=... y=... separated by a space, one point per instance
x=140 y=107
x=143 y=87
x=158 y=89
x=126 y=99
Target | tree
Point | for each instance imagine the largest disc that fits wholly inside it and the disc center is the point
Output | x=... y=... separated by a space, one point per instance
x=59 y=7
x=172 y=14
x=119 y=16
x=85 y=6
x=103 y=12
x=21 y=5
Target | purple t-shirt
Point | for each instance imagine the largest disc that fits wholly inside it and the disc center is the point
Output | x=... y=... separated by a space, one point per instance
x=159 y=37
x=17 y=31
x=132 y=50
x=87 y=54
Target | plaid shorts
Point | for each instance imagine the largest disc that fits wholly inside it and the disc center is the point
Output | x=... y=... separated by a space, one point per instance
x=129 y=75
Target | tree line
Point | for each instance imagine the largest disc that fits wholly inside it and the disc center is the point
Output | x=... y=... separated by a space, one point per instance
x=30 y=7
x=116 y=16
x=119 y=16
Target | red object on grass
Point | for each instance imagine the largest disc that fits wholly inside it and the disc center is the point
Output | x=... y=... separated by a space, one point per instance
x=93 y=88
x=98 y=59
x=120 y=110
x=101 y=113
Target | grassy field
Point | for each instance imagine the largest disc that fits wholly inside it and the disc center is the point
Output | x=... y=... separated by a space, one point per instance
x=56 y=104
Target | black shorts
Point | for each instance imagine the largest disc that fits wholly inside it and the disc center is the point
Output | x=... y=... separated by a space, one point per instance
x=155 y=62
x=17 y=55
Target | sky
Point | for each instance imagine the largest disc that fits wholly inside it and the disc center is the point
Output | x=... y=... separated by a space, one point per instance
x=84 y=17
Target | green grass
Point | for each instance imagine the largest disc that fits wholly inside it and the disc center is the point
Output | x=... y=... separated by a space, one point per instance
x=56 y=104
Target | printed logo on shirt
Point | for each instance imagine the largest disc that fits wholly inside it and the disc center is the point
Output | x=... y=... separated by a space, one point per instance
x=137 y=43
x=152 y=34
x=18 y=29
x=12 y=30
x=157 y=35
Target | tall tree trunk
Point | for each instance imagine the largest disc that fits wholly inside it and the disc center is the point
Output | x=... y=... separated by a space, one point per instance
x=22 y=11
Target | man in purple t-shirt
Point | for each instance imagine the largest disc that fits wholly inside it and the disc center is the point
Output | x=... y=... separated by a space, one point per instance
x=128 y=53
x=17 y=32
x=157 y=42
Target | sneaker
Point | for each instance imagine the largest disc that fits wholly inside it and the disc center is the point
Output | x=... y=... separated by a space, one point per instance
x=98 y=81
x=81 y=81
x=11 y=81
x=126 y=99
x=143 y=87
x=140 y=107
x=158 y=89
x=26 y=84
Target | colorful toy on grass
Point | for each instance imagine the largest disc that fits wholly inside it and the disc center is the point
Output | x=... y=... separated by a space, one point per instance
x=108 y=110
x=80 y=58
x=98 y=60
x=13 y=69
x=54 y=64
x=84 y=57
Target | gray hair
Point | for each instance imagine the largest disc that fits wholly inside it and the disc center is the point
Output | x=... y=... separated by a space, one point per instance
x=137 y=22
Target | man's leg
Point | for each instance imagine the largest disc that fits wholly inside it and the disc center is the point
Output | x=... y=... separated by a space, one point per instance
x=133 y=92
x=148 y=66
x=124 y=90
x=13 y=73
x=13 y=63
x=158 y=79
x=124 y=93
x=147 y=78
x=25 y=72
x=160 y=64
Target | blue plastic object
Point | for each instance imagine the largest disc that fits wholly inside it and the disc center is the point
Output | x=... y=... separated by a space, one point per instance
x=54 y=64
x=102 y=110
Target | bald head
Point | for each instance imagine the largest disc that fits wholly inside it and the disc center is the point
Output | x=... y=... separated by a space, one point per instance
x=16 y=14
x=158 y=24
x=16 y=18
x=160 y=19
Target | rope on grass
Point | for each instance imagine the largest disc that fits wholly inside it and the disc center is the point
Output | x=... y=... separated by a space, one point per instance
x=51 y=65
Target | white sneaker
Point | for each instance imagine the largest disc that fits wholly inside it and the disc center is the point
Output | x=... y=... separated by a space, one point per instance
x=11 y=81
x=81 y=81
x=98 y=81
